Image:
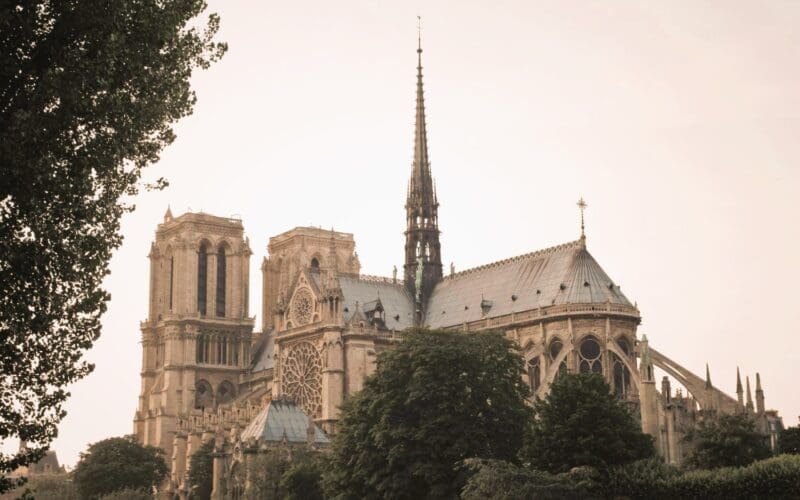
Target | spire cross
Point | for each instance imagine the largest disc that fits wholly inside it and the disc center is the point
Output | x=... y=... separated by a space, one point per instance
x=582 y=206
x=419 y=33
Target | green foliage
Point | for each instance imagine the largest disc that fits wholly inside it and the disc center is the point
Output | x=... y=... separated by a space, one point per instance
x=648 y=478
x=50 y=487
x=436 y=399
x=777 y=477
x=727 y=440
x=89 y=92
x=581 y=423
x=266 y=470
x=128 y=494
x=283 y=473
x=789 y=440
x=773 y=478
x=303 y=479
x=498 y=480
x=116 y=464
x=201 y=471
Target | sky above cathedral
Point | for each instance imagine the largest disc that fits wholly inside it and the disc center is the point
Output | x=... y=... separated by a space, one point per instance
x=676 y=121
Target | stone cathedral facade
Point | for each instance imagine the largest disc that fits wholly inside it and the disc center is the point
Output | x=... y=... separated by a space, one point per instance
x=206 y=374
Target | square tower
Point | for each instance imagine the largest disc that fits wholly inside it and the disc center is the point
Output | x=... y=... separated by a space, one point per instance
x=196 y=339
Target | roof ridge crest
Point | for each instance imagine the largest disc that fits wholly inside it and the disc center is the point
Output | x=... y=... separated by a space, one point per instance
x=571 y=245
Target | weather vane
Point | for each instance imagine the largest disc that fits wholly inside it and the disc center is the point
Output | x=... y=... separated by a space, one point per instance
x=582 y=206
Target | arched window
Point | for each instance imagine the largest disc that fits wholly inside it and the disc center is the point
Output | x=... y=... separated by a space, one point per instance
x=225 y=392
x=202 y=278
x=534 y=374
x=171 y=279
x=221 y=268
x=203 y=395
x=314 y=264
x=555 y=349
x=590 y=356
x=624 y=345
x=622 y=377
x=202 y=349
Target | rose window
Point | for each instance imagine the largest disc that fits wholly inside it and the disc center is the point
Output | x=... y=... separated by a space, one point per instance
x=302 y=377
x=302 y=308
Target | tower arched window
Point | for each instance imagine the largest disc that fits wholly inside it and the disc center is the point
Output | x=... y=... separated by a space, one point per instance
x=203 y=395
x=171 y=279
x=221 y=268
x=202 y=278
x=315 y=264
x=590 y=356
x=226 y=392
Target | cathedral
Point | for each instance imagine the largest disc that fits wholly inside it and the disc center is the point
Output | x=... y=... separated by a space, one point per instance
x=206 y=374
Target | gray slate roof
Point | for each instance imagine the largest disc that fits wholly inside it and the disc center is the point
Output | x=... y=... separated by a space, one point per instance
x=393 y=296
x=281 y=420
x=563 y=274
x=262 y=358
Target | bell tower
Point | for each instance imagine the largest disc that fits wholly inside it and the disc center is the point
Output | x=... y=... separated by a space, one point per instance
x=423 y=262
x=196 y=339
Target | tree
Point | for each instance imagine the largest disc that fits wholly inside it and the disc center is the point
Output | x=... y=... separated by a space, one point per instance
x=201 y=471
x=89 y=91
x=50 y=487
x=581 y=423
x=725 y=441
x=303 y=479
x=117 y=464
x=789 y=441
x=437 y=398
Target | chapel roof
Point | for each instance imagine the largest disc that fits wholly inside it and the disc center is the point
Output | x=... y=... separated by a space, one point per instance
x=558 y=275
x=282 y=420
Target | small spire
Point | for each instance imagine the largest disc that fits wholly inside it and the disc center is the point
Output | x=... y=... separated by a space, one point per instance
x=168 y=214
x=759 y=395
x=738 y=381
x=739 y=390
x=708 y=377
x=582 y=207
x=749 y=395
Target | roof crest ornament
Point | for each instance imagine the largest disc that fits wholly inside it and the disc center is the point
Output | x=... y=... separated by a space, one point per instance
x=582 y=207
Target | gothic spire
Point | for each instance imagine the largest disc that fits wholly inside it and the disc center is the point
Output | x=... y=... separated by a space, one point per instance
x=421 y=189
x=423 y=264
x=708 y=378
x=749 y=395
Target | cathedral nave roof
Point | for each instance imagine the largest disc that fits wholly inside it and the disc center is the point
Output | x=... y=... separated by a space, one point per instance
x=559 y=275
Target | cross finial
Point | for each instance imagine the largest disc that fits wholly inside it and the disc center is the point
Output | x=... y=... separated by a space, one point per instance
x=419 y=33
x=582 y=206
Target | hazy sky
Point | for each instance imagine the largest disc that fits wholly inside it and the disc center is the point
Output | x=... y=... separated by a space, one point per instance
x=677 y=121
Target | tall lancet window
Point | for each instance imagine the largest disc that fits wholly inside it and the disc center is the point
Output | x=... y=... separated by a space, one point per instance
x=221 y=267
x=171 y=279
x=202 y=278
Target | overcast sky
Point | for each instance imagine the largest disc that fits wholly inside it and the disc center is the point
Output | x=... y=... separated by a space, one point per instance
x=678 y=122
